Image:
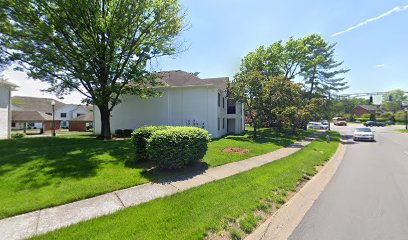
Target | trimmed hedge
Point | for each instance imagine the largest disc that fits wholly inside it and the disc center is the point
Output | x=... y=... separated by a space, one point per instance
x=175 y=147
x=140 y=138
x=16 y=135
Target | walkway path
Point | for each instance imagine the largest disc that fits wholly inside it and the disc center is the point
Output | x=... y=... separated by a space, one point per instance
x=50 y=219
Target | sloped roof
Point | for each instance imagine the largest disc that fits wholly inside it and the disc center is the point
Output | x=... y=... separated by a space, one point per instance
x=84 y=118
x=369 y=107
x=183 y=79
x=30 y=116
x=7 y=83
x=35 y=104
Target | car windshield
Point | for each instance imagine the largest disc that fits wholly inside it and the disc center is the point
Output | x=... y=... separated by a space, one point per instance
x=363 y=130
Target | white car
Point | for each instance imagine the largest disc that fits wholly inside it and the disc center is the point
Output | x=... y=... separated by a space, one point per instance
x=363 y=133
x=318 y=126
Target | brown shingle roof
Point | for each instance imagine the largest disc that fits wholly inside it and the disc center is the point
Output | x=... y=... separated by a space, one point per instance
x=84 y=118
x=30 y=116
x=183 y=79
x=35 y=104
x=369 y=107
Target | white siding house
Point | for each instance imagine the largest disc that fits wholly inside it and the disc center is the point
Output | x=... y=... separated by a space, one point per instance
x=5 y=108
x=69 y=112
x=186 y=100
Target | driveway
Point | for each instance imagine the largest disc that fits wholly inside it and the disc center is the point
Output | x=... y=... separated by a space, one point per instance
x=368 y=196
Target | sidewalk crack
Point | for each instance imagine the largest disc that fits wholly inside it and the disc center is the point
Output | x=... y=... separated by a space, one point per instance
x=37 y=222
x=120 y=200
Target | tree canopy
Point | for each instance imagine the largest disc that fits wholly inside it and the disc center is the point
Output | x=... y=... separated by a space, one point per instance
x=393 y=100
x=100 y=48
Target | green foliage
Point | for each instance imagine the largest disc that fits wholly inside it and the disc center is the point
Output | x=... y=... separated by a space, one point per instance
x=99 y=48
x=400 y=116
x=175 y=147
x=387 y=115
x=140 y=138
x=249 y=222
x=17 y=135
x=393 y=100
x=346 y=105
x=235 y=234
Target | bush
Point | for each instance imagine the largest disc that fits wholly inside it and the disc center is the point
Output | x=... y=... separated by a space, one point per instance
x=127 y=132
x=119 y=132
x=17 y=135
x=140 y=138
x=175 y=147
x=400 y=116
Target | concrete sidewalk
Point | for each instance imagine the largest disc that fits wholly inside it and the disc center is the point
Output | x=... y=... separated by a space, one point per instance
x=46 y=220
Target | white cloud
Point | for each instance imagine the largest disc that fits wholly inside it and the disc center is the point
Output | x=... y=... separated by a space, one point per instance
x=380 y=65
x=370 y=20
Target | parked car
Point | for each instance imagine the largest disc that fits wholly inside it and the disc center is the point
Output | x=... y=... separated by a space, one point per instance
x=363 y=133
x=317 y=126
x=374 y=124
x=390 y=122
x=339 y=121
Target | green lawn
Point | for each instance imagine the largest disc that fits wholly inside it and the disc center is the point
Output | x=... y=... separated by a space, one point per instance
x=41 y=172
x=193 y=213
x=402 y=130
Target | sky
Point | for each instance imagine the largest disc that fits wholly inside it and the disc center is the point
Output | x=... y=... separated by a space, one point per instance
x=371 y=37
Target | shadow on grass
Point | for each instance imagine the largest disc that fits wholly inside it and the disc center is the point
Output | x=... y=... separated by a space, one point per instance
x=37 y=161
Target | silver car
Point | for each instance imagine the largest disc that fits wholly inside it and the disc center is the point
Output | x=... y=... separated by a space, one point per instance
x=363 y=133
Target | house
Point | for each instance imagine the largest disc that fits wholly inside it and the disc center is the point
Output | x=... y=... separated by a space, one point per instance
x=365 y=109
x=41 y=112
x=5 y=107
x=186 y=100
x=82 y=123
x=25 y=119
x=69 y=112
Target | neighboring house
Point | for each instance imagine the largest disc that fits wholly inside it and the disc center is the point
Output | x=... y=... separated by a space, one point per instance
x=81 y=123
x=41 y=107
x=5 y=107
x=69 y=112
x=25 y=119
x=186 y=100
x=366 y=109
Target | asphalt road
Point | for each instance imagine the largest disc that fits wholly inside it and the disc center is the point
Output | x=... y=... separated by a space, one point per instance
x=368 y=196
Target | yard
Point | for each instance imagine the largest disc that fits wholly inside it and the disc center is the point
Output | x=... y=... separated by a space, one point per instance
x=225 y=206
x=36 y=173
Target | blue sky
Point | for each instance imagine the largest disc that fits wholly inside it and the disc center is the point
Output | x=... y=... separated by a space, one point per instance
x=221 y=32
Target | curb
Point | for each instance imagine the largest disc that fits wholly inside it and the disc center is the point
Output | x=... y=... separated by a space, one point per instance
x=284 y=221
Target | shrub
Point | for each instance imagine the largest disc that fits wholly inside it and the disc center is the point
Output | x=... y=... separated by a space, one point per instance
x=17 y=135
x=400 y=116
x=119 y=132
x=127 y=132
x=140 y=138
x=175 y=147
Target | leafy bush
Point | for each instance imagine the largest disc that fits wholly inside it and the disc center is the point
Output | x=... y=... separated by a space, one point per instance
x=119 y=132
x=400 y=116
x=17 y=135
x=387 y=115
x=175 y=147
x=140 y=138
x=127 y=132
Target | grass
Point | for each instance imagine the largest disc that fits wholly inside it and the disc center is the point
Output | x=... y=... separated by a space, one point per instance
x=37 y=173
x=402 y=130
x=193 y=213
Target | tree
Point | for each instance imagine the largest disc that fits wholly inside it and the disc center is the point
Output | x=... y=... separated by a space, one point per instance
x=276 y=60
x=319 y=68
x=393 y=100
x=100 y=48
x=248 y=89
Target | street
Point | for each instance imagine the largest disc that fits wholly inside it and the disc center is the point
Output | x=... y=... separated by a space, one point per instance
x=368 y=196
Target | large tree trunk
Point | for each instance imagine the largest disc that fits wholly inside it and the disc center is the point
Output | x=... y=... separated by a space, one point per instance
x=105 y=121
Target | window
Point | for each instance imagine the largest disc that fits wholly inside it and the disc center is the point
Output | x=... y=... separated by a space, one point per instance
x=63 y=115
x=231 y=107
x=218 y=125
x=223 y=103
x=223 y=123
x=219 y=99
x=79 y=114
x=13 y=124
